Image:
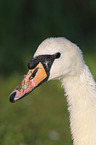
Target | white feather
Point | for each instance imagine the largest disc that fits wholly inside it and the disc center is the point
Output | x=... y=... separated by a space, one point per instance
x=79 y=86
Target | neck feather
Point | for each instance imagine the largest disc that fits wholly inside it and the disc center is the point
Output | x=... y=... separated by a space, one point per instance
x=81 y=97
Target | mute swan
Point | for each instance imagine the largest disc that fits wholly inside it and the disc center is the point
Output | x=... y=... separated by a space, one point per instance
x=58 y=58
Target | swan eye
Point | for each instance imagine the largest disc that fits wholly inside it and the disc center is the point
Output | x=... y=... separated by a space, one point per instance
x=57 y=55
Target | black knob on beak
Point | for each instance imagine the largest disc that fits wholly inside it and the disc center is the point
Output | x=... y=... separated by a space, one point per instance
x=32 y=63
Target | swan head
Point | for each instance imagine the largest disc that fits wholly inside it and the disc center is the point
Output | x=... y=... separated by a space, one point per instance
x=55 y=58
x=68 y=60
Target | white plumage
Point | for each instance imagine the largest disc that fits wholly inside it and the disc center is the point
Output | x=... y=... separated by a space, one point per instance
x=78 y=84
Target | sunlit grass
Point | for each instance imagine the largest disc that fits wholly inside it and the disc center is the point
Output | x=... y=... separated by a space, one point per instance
x=41 y=118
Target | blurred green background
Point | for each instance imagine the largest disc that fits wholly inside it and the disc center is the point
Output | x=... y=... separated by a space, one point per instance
x=41 y=118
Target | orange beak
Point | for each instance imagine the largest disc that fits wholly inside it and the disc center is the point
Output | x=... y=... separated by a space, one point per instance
x=33 y=79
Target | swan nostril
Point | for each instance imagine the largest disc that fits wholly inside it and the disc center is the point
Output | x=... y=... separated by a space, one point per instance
x=11 y=97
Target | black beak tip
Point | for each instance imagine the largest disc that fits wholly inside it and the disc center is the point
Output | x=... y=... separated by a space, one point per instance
x=11 y=97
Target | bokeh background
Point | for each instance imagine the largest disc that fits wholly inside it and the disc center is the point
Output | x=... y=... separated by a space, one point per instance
x=42 y=117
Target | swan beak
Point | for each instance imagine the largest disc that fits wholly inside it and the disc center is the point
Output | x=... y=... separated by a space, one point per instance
x=33 y=79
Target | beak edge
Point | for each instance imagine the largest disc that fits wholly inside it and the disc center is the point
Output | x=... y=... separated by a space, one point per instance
x=12 y=96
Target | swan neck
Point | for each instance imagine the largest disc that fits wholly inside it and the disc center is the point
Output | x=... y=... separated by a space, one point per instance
x=81 y=97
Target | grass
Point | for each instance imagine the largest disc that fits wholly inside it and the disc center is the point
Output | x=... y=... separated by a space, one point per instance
x=41 y=118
